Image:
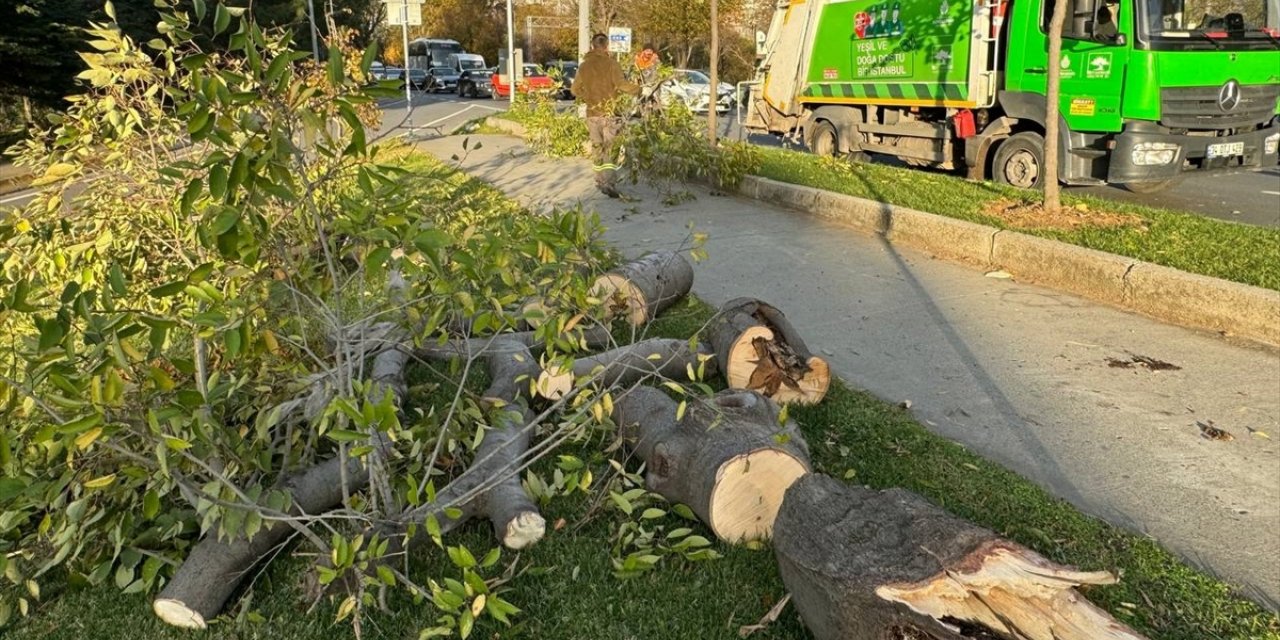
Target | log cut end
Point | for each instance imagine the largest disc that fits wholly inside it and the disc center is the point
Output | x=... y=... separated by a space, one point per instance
x=748 y=493
x=621 y=299
x=1013 y=591
x=524 y=530
x=177 y=613
x=761 y=362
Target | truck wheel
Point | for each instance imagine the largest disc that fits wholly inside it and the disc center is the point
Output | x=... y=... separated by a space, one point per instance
x=824 y=140
x=1019 y=161
x=1149 y=187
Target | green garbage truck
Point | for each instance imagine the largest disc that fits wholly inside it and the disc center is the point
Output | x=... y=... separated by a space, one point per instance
x=1150 y=88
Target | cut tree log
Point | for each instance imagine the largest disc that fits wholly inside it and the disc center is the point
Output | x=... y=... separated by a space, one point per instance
x=590 y=337
x=214 y=568
x=490 y=487
x=758 y=349
x=641 y=289
x=656 y=357
x=863 y=564
x=727 y=458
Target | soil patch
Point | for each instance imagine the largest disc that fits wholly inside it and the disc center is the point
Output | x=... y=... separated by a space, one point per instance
x=1032 y=215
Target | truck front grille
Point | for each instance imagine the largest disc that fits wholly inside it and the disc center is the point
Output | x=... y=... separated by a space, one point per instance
x=1197 y=108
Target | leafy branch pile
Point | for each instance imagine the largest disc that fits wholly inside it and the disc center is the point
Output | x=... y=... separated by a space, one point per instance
x=661 y=144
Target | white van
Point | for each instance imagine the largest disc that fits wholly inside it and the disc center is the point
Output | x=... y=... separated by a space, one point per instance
x=463 y=62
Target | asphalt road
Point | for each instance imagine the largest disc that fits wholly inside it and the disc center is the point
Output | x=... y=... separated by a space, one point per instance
x=1251 y=197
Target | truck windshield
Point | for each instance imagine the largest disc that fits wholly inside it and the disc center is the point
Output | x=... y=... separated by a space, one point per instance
x=469 y=65
x=1219 y=19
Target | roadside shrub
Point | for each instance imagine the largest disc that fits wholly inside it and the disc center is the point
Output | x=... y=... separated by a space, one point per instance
x=552 y=132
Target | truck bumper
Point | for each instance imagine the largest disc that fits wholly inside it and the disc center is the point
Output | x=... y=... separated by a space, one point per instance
x=1141 y=148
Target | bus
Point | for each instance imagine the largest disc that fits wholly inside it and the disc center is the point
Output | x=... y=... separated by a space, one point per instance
x=425 y=53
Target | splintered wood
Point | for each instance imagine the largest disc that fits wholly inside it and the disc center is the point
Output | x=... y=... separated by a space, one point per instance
x=760 y=350
x=863 y=564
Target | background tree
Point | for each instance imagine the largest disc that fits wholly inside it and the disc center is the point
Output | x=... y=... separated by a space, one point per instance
x=1052 y=192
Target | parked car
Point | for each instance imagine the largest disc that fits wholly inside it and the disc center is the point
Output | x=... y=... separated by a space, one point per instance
x=563 y=72
x=442 y=79
x=417 y=78
x=476 y=83
x=535 y=80
x=692 y=87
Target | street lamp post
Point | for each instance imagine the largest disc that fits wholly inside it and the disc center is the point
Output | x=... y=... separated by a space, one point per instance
x=315 y=44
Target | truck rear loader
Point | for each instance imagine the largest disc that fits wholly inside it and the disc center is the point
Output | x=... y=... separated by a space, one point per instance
x=1150 y=88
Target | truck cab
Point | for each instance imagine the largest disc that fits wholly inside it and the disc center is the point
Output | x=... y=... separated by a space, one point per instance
x=1149 y=88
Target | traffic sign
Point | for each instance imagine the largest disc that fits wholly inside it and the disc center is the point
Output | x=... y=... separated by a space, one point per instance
x=619 y=40
x=404 y=12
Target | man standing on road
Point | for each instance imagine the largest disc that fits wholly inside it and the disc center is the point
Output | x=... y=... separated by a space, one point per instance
x=598 y=84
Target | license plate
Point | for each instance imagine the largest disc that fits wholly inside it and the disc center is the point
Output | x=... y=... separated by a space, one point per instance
x=1226 y=149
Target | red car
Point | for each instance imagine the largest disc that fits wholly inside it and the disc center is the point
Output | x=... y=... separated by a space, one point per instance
x=535 y=79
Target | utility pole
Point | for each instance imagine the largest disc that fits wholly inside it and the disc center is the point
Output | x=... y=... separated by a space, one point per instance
x=584 y=28
x=315 y=43
x=713 y=92
x=584 y=40
x=408 y=77
x=511 y=54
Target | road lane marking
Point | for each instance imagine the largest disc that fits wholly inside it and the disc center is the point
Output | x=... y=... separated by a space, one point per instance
x=16 y=197
x=1272 y=193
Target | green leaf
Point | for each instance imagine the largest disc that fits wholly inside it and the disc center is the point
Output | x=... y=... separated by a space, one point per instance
x=11 y=487
x=221 y=20
x=150 y=504
x=622 y=503
x=189 y=196
x=370 y=54
x=652 y=514
x=344 y=435
x=385 y=574
x=335 y=66
x=110 y=10
x=461 y=557
x=225 y=221
x=200 y=9
x=491 y=558
x=81 y=425
x=218 y=181
x=465 y=623
x=168 y=290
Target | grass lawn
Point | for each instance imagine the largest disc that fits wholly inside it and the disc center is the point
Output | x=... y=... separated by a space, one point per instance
x=1195 y=243
x=566 y=588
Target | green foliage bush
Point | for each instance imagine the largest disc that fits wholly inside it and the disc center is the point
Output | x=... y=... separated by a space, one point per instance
x=211 y=257
x=552 y=132
x=661 y=145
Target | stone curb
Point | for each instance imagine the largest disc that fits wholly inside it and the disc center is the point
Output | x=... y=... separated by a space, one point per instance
x=14 y=178
x=510 y=127
x=1166 y=294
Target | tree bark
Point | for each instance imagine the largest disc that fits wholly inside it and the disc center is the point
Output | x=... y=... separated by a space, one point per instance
x=759 y=350
x=490 y=487
x=868 y=565
x=728 y=459
x=643 y=288
x=214 y=568
x=1053 y=89
x=665 y=358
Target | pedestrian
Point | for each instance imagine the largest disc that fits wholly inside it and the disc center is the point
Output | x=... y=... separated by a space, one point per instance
x=599 y=84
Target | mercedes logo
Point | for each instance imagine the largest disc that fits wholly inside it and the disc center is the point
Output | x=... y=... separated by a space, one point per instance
x=1229 y=96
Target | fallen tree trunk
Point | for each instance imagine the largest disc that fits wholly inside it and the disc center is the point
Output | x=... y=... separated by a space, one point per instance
x=593 y=337
x=657 y=357
x=214 y=568
x=863 y=564
x=641 y=289
x=490 y=487
x=758 y=349
x=728 y=459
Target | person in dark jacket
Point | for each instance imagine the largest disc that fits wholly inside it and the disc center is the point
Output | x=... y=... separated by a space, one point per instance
x=598 y=85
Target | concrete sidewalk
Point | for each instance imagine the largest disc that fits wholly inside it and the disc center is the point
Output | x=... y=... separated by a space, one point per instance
x=1017 y=373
